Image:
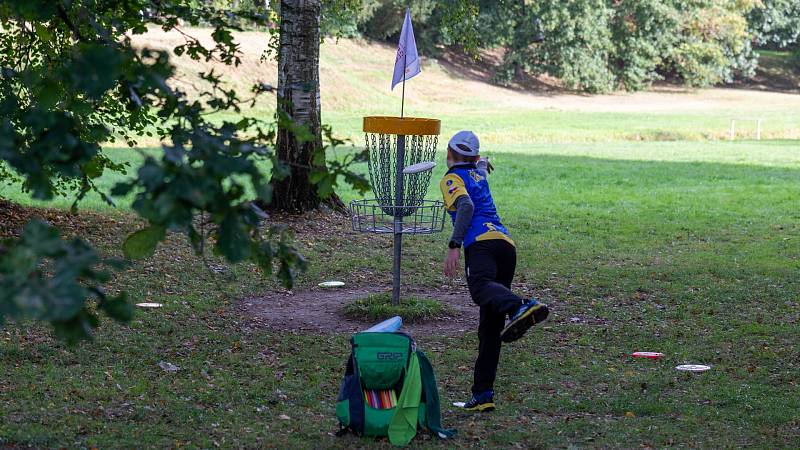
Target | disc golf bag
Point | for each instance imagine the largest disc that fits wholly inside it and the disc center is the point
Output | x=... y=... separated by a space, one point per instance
x=389 y=389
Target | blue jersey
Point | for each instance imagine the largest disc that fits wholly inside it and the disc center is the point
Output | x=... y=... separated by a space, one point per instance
x=466 y=179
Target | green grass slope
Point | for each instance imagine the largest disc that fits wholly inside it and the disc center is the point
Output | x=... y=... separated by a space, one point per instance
x=356 y=75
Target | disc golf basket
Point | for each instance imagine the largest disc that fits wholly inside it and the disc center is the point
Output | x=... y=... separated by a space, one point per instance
x=398 y=148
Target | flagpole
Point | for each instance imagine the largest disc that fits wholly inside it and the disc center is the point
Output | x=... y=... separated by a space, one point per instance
x=403 y=97
x=398 y=196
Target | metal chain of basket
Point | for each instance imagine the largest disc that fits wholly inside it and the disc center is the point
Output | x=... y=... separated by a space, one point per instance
x=383 y=170
x=395 y=146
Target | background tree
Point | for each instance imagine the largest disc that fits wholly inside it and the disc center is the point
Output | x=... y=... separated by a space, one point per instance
x=299 y=98
x=643 y=35
x=578 y=44
x=714 y=45
x=306 y=182
x=776 y=23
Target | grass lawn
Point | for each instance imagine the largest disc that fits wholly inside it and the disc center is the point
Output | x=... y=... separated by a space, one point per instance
x=687 y=248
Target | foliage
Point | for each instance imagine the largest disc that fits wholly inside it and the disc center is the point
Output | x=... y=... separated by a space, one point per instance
x=446 y=22
x=517 y=28
x=595 y=45
x=376 y=307
x=70 y=80
x=776 y=23
x=643 y=33
x=380 y=19
x=458 y=23
x=578 y=44
x=340 y=17
x=41 y=275
x=714 y=44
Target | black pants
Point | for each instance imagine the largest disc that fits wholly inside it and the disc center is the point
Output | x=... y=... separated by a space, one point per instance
x=490 y=269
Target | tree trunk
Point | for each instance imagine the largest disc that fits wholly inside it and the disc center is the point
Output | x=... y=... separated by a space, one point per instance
x=519 y=70
x=298 y=97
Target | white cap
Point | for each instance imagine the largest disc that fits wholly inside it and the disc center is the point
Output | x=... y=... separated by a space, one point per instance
x=465 y=143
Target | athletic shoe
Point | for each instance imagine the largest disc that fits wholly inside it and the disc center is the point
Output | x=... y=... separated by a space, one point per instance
x=483 y=402
x=528 y=315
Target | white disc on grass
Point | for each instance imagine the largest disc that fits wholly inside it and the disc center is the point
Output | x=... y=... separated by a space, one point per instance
x=331 y=284
x=149 y=305
x=419 y=167
x=693 y=367
x=648 y=355
x=459 y=404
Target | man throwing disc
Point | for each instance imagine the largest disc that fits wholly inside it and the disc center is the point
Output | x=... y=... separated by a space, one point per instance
x=490 y=259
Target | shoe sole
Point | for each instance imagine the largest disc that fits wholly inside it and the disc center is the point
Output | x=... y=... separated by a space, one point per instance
x=529 y=318
x=483 y=407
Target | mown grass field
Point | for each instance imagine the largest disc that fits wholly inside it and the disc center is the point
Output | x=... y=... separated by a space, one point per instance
x=685 y=248
x=688 y=247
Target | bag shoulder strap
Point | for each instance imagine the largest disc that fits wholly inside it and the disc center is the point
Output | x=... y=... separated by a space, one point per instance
x=433 y=414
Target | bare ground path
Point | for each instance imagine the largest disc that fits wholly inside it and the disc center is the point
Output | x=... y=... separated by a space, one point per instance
x=317 y=311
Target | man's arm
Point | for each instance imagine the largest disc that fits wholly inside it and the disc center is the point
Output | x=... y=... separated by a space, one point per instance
x=456 y=199
x=464 y=210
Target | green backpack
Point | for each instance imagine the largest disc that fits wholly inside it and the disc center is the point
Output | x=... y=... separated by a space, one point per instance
x=389 y=389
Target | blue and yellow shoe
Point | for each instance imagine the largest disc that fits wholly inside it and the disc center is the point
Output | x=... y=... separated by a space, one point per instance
x=483 y=402
x=528 y=315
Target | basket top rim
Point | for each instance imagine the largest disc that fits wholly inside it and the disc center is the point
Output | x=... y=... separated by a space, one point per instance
x=418 y=126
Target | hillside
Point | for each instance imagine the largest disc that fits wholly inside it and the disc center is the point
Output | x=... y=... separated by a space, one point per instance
x=356 y=74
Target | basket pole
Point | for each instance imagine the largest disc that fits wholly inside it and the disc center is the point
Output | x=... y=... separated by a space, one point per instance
x=398 y=218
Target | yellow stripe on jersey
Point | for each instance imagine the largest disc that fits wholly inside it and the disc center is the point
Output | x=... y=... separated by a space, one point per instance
x=452 y=187
x=493 y=234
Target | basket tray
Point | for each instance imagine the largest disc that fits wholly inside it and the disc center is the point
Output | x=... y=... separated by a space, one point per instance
x=369 y=216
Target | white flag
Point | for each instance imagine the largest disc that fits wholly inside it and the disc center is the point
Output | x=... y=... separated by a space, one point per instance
x=406 y=65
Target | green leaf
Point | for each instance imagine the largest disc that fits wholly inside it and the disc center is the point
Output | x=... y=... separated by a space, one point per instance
x=118 y=308
x=325 y=186
x=49 y=94
x=264 y=256
x=264 y=192
x=319 y=158
x=93 y=169
x=79 y=327
x=42 y=31
x=317 y=175
x=142 y=243
x=232 y=239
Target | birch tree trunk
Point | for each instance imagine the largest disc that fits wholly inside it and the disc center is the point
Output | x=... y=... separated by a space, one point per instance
x=298 y=97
